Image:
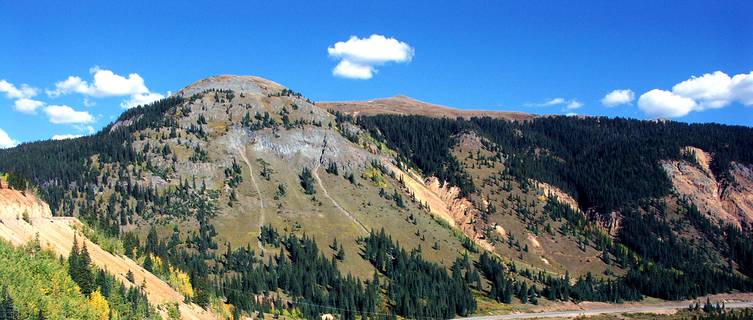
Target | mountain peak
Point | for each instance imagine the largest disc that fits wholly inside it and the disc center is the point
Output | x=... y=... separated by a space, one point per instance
x=237 y=83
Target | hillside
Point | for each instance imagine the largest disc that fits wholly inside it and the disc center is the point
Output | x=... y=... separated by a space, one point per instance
x=26 y=219
x=402 y=105
x=270 y=202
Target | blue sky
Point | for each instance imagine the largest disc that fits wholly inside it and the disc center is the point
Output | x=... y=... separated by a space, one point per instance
x=533 y=56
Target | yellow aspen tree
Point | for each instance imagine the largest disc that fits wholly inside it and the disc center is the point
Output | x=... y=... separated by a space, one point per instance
x=100 y=305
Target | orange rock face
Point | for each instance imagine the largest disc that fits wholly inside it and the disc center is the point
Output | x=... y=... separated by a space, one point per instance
x=730 y=201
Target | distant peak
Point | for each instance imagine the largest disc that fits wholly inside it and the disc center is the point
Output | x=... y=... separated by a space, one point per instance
x=244 y=84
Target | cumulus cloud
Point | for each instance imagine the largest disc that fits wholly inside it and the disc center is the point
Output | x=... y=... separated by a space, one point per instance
x=141 y=99
x=6 y=141
x=618 y=97
x=742 y=88
x=359 y=56
x=62 y=114
x=13 y=92
x=22 y=95
x=106 y=83
x=661 y=103
x=709 y=91
x=27 y=105
x=66 y=136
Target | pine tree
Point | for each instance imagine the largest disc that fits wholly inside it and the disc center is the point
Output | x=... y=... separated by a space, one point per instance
x=7 y=309
x=73 y=260
x=340 y=253
x=152 y=240
x=85 y=274
x=307 y=181
x=148 y=263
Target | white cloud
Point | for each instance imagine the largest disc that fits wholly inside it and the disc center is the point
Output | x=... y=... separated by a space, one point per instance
x=27 y=105
x=61 y=114
x=13 y=92
x=742 y=88
x=567 y=104
x=141 y=99
x=105 y=84
x=66 y=136
x=662 y=104
x=6 y=141
x=710 y=91
x=618 y=97
x=350 y=70
x=553 y=102
x=574 y=104
x=22 y=95
x=359 y=56
x=70 y=85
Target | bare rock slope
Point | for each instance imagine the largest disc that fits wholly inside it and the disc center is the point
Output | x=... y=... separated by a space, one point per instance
x=730 y=201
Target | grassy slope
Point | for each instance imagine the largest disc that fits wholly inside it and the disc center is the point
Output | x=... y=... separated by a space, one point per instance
x=557 y=252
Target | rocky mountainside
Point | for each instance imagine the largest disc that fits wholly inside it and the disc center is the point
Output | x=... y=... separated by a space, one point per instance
x=729 y=199
x=250 y=188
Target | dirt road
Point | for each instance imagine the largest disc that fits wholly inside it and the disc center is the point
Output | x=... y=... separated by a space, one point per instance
x=606 y=310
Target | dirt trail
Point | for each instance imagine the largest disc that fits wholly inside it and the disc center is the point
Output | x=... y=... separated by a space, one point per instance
x=57 y=234
x=360 y=225
x=242 y=152
x=352 y=217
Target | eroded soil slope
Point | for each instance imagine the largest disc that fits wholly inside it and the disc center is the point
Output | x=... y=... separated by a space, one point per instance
x=23 y=217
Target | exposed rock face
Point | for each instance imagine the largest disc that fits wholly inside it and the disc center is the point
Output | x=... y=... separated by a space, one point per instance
x=312 y=145
x=731 y=201
x=15 y=204
x=552 y=191
x=460 y=210
x=609 y=222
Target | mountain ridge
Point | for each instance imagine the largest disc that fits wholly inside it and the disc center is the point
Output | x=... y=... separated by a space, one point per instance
x=404 y=105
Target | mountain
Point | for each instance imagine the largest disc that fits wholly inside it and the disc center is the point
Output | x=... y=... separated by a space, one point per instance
x=270 y=202
x=402 y=105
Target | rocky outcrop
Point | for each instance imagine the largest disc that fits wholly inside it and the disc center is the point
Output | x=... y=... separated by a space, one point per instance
x=548 y=190
x=15 y=204
x=460 y=210
x=730 y=201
